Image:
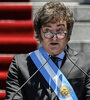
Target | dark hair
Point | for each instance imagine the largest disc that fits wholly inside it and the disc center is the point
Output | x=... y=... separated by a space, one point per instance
x=53 y=10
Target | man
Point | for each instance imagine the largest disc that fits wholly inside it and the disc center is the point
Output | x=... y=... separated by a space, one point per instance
x=65 y=81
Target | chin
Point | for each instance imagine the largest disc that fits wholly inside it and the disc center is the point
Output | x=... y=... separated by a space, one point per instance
x=55 y=53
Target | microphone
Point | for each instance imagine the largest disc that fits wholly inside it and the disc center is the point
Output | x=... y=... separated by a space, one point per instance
x=74 y=63
x=30 y=78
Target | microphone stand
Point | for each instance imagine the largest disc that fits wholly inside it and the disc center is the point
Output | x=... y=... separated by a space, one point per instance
x=30 y=78
x=76 y=64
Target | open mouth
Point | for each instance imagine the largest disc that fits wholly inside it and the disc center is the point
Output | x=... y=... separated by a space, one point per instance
x=53 y=43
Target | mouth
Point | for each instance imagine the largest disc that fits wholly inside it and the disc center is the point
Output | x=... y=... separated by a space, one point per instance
x=53 y=44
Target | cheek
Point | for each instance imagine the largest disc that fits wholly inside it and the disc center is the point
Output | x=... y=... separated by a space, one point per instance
x=44 y=41
x=63 y=43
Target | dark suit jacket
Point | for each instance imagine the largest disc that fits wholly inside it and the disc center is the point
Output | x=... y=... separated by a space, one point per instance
x=22 y=67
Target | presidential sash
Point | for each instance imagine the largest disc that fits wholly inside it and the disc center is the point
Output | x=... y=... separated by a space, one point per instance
x=53 y=75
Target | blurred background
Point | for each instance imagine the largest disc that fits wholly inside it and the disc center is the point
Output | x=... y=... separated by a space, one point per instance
x=17 y=33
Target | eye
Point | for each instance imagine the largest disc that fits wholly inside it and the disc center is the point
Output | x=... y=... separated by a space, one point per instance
x=60 y=29
x=47 y=31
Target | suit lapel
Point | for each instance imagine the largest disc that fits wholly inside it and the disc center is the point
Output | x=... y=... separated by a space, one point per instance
x=68 y=65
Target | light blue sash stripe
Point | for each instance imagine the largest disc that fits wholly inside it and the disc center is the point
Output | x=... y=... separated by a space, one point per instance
x=47 y=76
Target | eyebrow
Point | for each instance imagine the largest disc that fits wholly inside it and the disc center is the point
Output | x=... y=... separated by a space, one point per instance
x=60 y=25
x=47 y=25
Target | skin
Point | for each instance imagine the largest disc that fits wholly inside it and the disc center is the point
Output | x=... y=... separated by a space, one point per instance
x=54 y=45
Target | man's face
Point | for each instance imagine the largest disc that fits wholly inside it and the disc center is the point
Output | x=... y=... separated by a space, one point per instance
x=55 y=44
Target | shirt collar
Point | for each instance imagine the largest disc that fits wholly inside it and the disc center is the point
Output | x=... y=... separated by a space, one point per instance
x=61 y=55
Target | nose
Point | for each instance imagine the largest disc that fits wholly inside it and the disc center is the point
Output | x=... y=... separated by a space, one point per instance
x=54 y=37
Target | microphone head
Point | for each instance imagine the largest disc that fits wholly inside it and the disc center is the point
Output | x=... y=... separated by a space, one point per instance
x=65 y=49
x=50 y=55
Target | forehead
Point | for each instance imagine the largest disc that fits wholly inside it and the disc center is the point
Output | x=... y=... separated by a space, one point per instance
x=58 y=22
